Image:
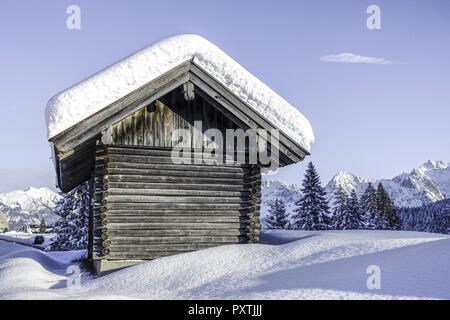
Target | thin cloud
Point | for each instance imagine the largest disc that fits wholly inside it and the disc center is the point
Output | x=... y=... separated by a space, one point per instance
x=353 y=58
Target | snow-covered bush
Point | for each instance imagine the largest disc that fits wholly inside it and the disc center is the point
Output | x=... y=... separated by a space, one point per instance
x=277 y=217
x=352 y=215
x=72 y=228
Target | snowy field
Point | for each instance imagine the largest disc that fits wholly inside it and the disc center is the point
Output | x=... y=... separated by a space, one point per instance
x=26 y=238
x=289 y=265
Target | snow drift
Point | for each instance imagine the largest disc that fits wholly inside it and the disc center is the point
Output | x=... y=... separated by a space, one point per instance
x=291 y=265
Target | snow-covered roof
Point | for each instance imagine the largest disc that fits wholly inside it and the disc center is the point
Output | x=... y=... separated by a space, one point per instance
x=84 y=99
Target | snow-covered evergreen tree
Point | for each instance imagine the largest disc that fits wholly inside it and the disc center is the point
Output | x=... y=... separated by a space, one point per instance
x=277 y=217
x=312 y=210
x=42 y=226
x=72 y=228
x=370 y=215
x=389 y=217
x=433 y=217
x=394 y=221
x=351 y=219
x=440 y=222
x=339 y=205
x=381 y=207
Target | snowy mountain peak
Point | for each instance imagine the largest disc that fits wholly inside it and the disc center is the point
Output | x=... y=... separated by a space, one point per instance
x=428 y=183
x=347 y=181
x=434 y=165
x=28 y=206
x=277 y=184
x=272 y=189
x=27 y=199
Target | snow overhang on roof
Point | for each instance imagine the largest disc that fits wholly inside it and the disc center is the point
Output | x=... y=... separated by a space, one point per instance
x=72 y=106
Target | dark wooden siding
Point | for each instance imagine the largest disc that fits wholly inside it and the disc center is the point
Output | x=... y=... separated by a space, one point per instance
x=148 y=207
x=154 y=124
x=77 y=167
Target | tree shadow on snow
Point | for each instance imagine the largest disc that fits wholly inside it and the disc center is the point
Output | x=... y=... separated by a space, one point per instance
x=274 y=239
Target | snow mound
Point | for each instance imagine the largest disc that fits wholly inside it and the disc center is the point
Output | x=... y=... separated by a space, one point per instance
x=309 y=265
x=27 y=273
x=272 y=272
x=97 y=92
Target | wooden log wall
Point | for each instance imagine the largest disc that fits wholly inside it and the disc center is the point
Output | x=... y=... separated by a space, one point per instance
x=148 y=207
x=96 y=221
x=77 y=168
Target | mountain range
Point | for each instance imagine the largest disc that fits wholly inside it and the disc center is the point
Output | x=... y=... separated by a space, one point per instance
x=426 y=184
x=28 y=206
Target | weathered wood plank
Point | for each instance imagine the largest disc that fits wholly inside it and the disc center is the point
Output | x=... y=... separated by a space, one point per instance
x=176 y=226
x=164 y=199
x=187 y=206
x=178 y=186
x=152 y=151
x=175 y=232
x=172 y=166
x=200 y=219
x=171 y=192
x=175 y=173
x=159 y=160
x=174 y=179
x=177 y=239
x=161 y=212
x=175 y=247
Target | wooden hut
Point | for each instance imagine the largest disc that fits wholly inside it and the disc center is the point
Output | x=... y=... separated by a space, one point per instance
x=144 y=205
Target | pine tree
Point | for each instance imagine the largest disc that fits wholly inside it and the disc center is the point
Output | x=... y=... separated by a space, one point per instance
x=352 y=213
x=312 y=210
x=42 y=226
x=370 y=213
x=339 y=203
x=72 y=228
x=432 y=217
x=277 y=217
x=389 y=217
x=392 y=217
x=440 y=221
x=381 y=207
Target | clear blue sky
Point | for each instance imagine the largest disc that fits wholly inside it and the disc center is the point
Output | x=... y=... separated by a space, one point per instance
x=375 y=120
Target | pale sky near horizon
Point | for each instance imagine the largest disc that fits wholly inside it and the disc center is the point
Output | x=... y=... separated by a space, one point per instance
x=375 y=120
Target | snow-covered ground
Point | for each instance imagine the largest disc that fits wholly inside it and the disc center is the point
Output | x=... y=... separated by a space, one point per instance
x=26 y=238
x=289 y=265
